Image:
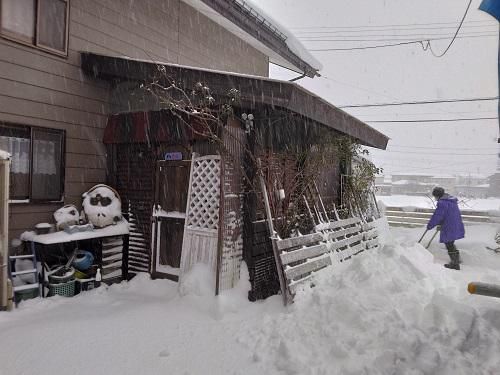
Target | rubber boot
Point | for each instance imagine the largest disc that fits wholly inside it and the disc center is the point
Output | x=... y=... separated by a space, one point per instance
x=455 y=261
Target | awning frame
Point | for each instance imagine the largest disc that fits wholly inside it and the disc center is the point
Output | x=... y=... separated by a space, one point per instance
x=254 y=91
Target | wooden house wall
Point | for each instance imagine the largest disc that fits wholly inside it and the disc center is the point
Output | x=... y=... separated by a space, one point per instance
x=41 y=89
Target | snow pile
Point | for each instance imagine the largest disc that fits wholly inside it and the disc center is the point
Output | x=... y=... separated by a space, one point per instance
x=4 y=155
x=391 y=311
x=387 y=312
x=199 y=281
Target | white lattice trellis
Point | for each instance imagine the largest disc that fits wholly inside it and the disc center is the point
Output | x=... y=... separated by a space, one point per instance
x=200 y=241
x=204 y=199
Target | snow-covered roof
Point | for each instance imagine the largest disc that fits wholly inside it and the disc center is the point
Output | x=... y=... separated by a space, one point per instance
x=414 y=174
x=275 y=55
x=401 y=182
x=4 y=155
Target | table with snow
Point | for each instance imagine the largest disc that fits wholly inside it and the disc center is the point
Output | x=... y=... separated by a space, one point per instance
x=109 y=246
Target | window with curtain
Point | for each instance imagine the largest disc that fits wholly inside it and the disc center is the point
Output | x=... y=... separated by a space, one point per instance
x=41 y=23
x=36 y=162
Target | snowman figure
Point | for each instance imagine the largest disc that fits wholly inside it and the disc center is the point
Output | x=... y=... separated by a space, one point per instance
x=102 y=206
x=66 y=216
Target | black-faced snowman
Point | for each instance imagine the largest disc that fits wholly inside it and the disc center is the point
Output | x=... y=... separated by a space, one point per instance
x=102 y=206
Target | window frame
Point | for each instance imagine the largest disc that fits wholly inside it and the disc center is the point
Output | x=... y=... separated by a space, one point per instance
x=60 y=132
x=18 y=38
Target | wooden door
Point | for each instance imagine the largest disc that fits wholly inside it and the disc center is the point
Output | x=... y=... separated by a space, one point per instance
x=171 y=191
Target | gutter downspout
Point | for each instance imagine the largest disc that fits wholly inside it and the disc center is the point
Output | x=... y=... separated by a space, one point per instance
x=4 y=232
x=303 y=75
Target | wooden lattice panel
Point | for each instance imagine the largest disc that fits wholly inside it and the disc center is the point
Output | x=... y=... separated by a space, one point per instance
x=201 y=237
x=203 y=210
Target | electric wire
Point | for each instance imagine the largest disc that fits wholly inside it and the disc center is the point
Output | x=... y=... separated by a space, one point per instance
x=392 y=26
x=424 y=43
x=455 y=36
x=421 y=102
x=391 y=38
x=439 y=153
x=442 y=148
x=432 y=120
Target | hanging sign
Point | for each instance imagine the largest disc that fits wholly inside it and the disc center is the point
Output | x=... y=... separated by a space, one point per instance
x=173 y=156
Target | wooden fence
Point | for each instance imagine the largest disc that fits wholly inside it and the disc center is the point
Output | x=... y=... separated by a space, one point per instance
x=333 y=242
x=416 y=217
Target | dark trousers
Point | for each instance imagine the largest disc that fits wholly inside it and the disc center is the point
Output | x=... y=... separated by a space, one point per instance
x=452 y=251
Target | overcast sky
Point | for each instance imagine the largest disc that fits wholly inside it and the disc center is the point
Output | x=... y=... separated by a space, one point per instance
x=405 y=73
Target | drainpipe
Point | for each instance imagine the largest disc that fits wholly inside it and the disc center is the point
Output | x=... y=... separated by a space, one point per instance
x=297 y=78
x=4 y=231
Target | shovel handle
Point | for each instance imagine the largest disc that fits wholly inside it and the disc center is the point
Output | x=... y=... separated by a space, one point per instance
x=434 y=235
x=423 y=235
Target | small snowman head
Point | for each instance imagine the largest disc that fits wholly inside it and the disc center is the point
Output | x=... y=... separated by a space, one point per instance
x=66 y=215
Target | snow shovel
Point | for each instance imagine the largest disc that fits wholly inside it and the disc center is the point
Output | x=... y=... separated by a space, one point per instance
x=423 y=235
x=432 y=238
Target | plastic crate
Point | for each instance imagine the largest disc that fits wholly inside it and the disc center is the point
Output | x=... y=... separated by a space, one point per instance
x=83 y=285
x=23 y=295
x=63 y=289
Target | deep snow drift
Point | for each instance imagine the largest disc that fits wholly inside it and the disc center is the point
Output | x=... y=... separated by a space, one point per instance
x=391 y=311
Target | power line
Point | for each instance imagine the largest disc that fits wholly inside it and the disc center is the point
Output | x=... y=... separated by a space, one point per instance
x=437 y=167
x=433 y=120
x=475 y=113
x=456 y=33
x=439 y=153
x=392 y=26
x=420 y=102
x=424 y=43
x=442 y=148
x=305 y=33
x=390 y=37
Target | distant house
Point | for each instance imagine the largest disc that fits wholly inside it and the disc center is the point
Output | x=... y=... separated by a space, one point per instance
x=411 y=184
x=71 y=115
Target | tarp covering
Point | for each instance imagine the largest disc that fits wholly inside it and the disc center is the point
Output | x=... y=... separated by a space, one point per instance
x=491 y=7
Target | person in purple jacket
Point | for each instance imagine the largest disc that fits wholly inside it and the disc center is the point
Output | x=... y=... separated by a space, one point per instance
x=447 y=216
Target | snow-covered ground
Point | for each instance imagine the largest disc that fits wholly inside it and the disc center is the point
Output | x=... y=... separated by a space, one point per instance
x=475 y=204
x=391 y=311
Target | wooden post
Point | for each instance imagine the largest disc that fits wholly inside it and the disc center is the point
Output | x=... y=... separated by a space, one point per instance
x=309 y=210
x=4 y=231
x=220 y=234
x=272 y=233
x=321 y=202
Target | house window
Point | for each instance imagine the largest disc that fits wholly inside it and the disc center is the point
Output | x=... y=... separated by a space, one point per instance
x=41 y=23
x=36 y=171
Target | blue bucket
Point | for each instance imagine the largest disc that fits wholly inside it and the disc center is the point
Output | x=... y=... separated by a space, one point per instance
x=83 y=260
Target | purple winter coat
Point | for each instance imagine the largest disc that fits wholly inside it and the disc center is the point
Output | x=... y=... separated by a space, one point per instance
x=448 y=216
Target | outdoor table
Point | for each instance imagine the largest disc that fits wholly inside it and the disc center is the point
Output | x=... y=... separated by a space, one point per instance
x=40 y=243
